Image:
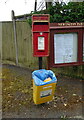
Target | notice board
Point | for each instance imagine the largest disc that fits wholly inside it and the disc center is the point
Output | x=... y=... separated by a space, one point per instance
x=65 y=48
x=66 y=44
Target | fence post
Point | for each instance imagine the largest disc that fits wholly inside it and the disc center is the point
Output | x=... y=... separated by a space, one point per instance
x=15 y=37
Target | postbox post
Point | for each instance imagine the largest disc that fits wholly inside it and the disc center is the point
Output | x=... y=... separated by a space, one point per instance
x=40 y=62
x=40 y=36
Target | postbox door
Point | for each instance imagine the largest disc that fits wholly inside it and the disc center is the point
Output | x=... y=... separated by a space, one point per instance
x=40 y=44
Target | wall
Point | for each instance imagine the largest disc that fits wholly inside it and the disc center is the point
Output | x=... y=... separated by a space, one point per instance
x=71 y=71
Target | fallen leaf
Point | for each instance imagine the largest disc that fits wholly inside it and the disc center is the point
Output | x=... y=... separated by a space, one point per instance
x=25 y=91
x=77 y=100
x=80 y=98
x=65 y=104
x=31 y=88
x=74 y=94
x=55 y=106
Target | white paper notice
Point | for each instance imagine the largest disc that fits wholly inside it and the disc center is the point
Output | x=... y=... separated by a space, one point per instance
x=65 y=48
x=41 y=43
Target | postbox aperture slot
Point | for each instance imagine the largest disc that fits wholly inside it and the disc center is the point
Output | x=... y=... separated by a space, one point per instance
x=40 y=23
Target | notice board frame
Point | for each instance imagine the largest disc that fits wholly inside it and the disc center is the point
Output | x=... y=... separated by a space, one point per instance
x=62 y=28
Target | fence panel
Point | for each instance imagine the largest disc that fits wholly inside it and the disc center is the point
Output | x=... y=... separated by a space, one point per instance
x=24 y=41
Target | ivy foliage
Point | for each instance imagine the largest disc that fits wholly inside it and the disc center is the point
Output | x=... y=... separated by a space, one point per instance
x=61 y=12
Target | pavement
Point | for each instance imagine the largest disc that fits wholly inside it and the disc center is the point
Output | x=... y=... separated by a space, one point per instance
x=17 y=100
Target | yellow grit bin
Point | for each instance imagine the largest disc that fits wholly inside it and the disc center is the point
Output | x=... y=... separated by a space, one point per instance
x=44 y=84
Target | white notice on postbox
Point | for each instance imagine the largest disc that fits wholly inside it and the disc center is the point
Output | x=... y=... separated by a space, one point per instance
x=41 y=43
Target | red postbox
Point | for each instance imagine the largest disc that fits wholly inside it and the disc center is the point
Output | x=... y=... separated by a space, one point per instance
x=40 y=34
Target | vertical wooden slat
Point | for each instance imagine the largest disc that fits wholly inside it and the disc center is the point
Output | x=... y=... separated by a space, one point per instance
x=0 y=42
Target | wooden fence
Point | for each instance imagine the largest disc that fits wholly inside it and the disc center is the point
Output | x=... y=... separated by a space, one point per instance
x=24 y=40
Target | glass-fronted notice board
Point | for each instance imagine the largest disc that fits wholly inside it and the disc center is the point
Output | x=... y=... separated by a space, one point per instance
x=65 y=48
